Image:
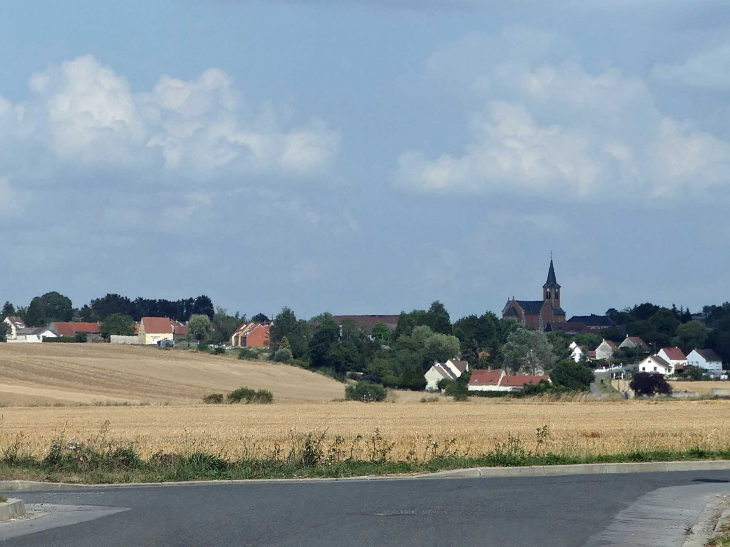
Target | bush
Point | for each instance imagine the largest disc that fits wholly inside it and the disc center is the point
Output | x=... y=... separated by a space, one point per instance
x=572 y=376
x=218 y=350
x=648 y=383
x=61 y=340
x=81 y=337
x=282 y=355
x=457 y=390
x=213 y=399
x=692 y=373
x=365 y=392
x=248 y=395
x=203 y=346
x=248 y=354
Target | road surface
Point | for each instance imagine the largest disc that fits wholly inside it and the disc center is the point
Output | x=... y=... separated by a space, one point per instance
x=647 y=509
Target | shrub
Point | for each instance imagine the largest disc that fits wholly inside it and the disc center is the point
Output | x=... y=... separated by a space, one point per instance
x=457 y=390
x=692 y=373
x=282 y=355
x=248 y=354
x=61 y=340
x=213 y=399
x=572 y=376
x=248 y=395
x=218 y=350
x=203 y=346
x=647 y=383
x=365 y=392
x=81 y=337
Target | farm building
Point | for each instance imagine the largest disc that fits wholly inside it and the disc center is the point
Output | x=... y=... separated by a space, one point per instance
x=251 y=335
x=498 y=380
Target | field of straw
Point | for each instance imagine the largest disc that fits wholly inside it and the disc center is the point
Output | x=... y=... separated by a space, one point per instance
x=73 y=374
x=414 y=429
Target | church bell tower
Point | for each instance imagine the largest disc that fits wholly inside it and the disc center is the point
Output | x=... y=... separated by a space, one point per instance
x=551 y=288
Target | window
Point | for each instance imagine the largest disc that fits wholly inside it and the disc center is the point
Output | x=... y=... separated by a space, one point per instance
x=557 y=294
x=547 y=294
x=654 y=369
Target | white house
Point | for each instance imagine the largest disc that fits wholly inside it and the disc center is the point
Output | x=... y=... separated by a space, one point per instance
x=450 y=370
x=673 y=356
x=576 y=352
x=31 y=335
x=14 y=323
x=497 y=380
x=707 y=360
x=606 y=349
x=654 y=363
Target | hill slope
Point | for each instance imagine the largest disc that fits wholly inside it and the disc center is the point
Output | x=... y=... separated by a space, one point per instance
x=87 y=373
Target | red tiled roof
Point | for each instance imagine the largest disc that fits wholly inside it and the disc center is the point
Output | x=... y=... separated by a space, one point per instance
x=157 y=325
x=611 y=343
x=674 y=354
x=89 y=328
x=68 y=328
x=485 y=377
x=521 y=380
x=63 y=328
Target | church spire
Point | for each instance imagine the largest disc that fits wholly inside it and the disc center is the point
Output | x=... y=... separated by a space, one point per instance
x=551 y=279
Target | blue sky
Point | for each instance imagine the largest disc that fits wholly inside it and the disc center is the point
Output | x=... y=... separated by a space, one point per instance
x=366 y=156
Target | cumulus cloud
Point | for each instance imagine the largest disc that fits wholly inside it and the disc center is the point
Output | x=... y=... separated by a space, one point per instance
x=85 y=113
x=543 y=125
x=708 y=69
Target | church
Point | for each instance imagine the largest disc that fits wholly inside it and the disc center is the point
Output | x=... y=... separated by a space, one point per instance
x=543 y=315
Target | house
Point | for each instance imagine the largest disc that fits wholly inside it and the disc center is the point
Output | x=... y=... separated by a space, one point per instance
x=673 y=356
x=15 y=323
x=450 y=370
x=590 y=323
x=707 y=360
x=251 y=335
x=634 y=343
x=543 y=315
x=154 y=329
x=367 y=322
x=606 y=349
x=180 y=330
x=655 y=363
x=92 y=330
x=576 y=352
x=31 y=335
x=497 y=380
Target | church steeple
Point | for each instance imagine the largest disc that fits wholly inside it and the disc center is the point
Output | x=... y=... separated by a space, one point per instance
x=551 y=288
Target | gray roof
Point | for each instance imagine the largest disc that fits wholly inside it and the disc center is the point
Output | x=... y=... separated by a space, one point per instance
x=558 y=311
x=592 y=320
x=511 y=312
x=531 y=306
x=551 y=279
x=708 y=355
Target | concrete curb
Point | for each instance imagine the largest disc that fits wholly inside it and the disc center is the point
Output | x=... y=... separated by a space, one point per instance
x=12 y=509
x=711 y=523
x=474 y=472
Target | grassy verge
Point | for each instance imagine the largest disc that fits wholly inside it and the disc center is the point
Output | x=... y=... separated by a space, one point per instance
x=70 y=461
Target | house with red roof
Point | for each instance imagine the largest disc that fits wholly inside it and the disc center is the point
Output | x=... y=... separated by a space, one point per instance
x=92 y=330
x=634 y=343
x=154 y=329
x=606 y=349
x=251 y=335
x=498 y=380
x=673 y=356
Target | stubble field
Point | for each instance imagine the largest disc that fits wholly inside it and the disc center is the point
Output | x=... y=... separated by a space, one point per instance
x=413 y=429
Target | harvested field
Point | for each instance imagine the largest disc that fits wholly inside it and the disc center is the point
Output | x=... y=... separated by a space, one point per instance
x=53 y=374
x=587 y=428
x=701 y=387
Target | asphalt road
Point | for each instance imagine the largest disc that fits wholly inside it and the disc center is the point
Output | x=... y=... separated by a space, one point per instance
x=644 y=509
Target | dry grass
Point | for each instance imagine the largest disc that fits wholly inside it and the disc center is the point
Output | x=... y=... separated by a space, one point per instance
x=48 y=374
x=586 y=428
x=701 y=388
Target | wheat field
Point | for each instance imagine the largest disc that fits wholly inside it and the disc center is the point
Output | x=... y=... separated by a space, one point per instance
x=585 y=428
x=72 y=374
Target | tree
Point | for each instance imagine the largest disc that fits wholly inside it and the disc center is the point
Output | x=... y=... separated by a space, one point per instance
x=225 y=325
x=648 y=383
x=284 y=344
x=345 y=357
x=528 y=352
x=665 y=321
x=571 y=375
x=693 y=373
x=438 y=318
x=323 y=339
x=202 y=305
x=57 y=307
x=260 y=318
x=117 y=324
x=36 y=314
x=199 y=326
x=381 y=334
x=470 y=353
x=86 y=313
x=110 y=304
x=691 y=335
x=441 y=347
x=4 y=329
x=285 y=324
x=8 y=310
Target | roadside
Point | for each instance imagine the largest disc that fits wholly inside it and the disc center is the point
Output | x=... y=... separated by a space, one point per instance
x=713 y=527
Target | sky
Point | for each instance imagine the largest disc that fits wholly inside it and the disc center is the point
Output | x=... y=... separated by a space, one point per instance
x=366 y=156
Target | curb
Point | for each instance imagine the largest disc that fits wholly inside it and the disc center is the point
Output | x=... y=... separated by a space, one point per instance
x=704 y=531
x=12 y=509
x=474 y=472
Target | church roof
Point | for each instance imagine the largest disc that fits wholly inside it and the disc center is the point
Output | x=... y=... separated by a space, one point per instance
x=531 y=306
x=551 y=279
x=510 y=312
x=558 y=311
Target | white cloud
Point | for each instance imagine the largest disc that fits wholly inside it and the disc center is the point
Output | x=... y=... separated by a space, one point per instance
x=709 y=69
x=12 y=202
x=84 y=113
x=543 y=125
